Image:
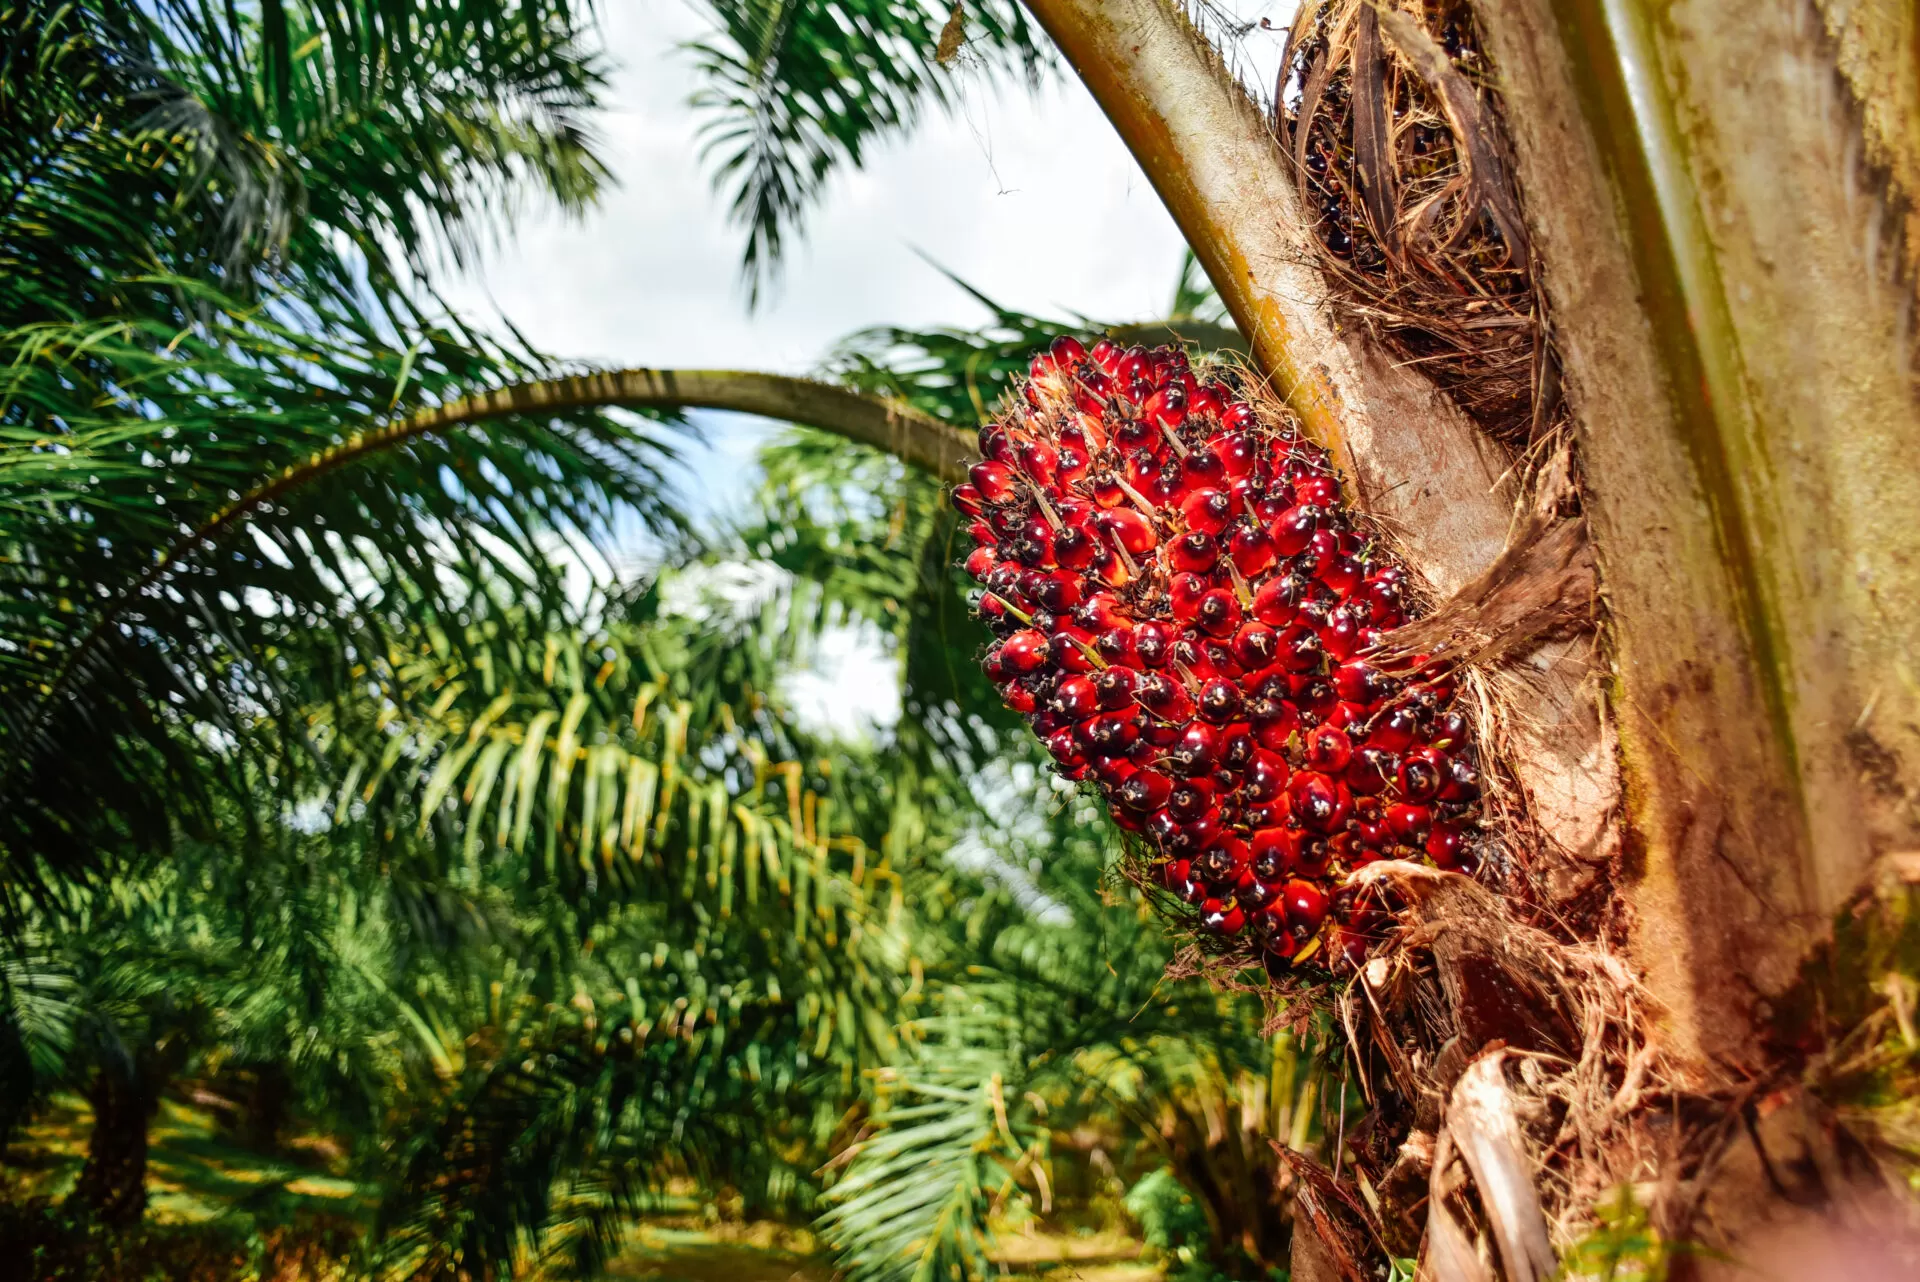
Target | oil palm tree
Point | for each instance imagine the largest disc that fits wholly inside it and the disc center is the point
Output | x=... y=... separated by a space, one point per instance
x=1712 y=299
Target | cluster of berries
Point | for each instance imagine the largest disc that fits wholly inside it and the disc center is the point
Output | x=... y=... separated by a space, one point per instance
x=1184 y=608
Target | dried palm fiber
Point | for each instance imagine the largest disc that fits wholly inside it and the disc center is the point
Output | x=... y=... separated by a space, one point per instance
x=1397 y=145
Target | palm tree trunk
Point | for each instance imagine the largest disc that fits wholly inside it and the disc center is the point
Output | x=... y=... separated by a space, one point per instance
x=112 y=1187
x=1727 y=288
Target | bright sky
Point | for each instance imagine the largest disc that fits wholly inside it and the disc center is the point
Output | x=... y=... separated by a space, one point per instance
x=1031 y=198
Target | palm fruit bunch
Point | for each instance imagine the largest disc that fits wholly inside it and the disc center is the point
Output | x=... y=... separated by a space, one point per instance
x=1183 y=609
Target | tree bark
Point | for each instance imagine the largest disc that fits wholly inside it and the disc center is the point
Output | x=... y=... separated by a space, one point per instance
x=112 y=1187
x=1725 y=288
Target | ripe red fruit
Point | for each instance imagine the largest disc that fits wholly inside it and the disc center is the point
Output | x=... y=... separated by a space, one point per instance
x=1184 y=605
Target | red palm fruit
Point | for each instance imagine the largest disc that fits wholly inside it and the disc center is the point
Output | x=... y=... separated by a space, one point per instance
x=1422 y=774
x=1362 y=683
x=1329 y=750
x=1317 y=491
x=1131 y=531
x=1184 y=596
x=1116 y=646
x=1161 y=734
x=1113 y=734
x=1340 y=573
x=1371 y=836
x=1274 y=722
x=1205 y=402
x=1277 y=601
x=1136 y=435
x=1024 y=652
x=1214 y=865
x=1386 y=594
x=1197 y=750
x=1371 y=772
x=1152 y=643
x=1301 y=649
x=1074 y=698
x=1236 y=452
x=1446 y=845
x=1065 y=751
x=1166 y=409
x=1202 y=468
x=1239 y=417
x=1100 y=611
x=1217 y=613
x=980 y=562
x=1222 y=918
x=993 y=480
x=1306 y=909
x=1073 y=549
x=967 y=500
x=1163 y=696
x=1394 y=731
x=1068 y=647
x=1193 y=552
x=1292 y=530
x=1253 y=550
x=1207 y=510
x=1146 y=791
x=1254 y=895
x=1058 y=592
x=1114 y=687
x=1067 y=351
x=1341 y=635
x=1316 y=855
x=1266 y=777
x=1256 y=646
x=1460 y=782
x=1409 y=823
x=1450 y=728
x=1039 y=461
x=1189 y=800
x=1348 y=948
x=1276 y=851
x=1090 y=395
x=1237 y=747
x=1318 y=804
x=1105 y=353
x=1220 y=701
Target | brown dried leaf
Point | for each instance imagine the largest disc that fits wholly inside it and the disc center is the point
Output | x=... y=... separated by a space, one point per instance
x=1370 y=145
x=952 y=36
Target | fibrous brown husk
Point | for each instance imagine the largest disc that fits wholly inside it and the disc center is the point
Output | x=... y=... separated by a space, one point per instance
x=1401 y=159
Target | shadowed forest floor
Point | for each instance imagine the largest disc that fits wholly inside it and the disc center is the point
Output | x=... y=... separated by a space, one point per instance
x=196 y=1176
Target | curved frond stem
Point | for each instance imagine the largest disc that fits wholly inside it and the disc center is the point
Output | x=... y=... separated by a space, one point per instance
x=917 y=439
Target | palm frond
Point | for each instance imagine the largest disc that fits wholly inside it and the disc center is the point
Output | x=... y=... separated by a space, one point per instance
x=796 y=89
x=119 y=437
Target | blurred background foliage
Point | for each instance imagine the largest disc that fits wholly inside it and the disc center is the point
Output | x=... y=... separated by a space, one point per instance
x=390 y=888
